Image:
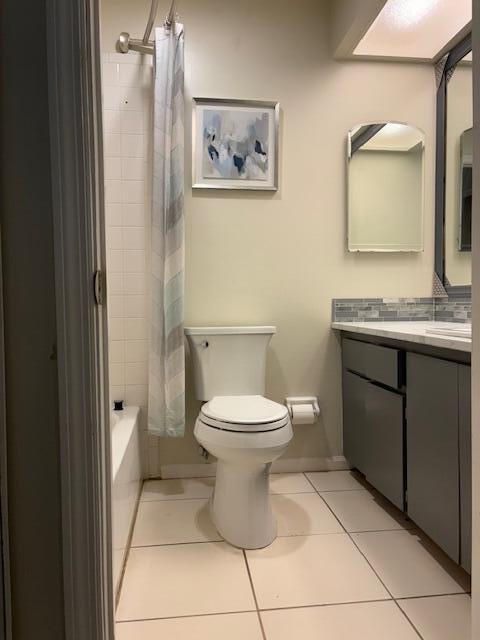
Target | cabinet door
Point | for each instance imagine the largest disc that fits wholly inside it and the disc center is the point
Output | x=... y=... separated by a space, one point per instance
x=432 y=449
x=385 y=441
x=354 y=437
x=465 y=440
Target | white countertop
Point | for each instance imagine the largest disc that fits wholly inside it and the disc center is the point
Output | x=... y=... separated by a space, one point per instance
x=408 y=332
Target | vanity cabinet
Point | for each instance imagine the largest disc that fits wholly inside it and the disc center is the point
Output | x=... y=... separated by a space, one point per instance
x=432 y=449
x=373 y=423
x=407 y=428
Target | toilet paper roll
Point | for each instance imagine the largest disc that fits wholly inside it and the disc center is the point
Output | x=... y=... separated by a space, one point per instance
x=303 y=414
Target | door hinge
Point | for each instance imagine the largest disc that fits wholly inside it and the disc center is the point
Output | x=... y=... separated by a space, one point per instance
x=98 y=287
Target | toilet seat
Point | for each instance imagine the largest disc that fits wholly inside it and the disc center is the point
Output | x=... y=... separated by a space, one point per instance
x=248 y=414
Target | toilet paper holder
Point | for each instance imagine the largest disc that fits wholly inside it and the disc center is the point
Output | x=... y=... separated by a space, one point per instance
x=312 y=400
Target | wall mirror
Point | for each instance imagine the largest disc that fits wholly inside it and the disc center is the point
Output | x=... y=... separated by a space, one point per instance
x=385 y=187
x=453 y=226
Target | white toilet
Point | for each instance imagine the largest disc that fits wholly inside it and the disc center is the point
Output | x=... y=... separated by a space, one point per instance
x=242 y=429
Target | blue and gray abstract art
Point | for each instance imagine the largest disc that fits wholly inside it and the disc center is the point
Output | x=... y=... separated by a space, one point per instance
x=235 y=144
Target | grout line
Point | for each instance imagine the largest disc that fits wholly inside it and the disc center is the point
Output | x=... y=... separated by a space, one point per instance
x=411 y=623
x=435 y=595
x=358 y=548
x=187 y=615
x=260 y=621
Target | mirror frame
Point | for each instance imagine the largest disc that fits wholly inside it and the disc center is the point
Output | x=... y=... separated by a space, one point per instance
x=454 y=56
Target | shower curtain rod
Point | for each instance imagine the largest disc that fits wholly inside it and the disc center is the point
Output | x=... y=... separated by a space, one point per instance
x=126 y=44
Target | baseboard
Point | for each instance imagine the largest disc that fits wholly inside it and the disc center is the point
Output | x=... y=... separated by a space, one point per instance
x=284 y=465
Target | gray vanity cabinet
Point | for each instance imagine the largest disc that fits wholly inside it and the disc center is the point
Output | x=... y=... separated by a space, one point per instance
x=373 y=416
x=355 y=444
x=433 y=449
x=465 y=439
x=384 y=457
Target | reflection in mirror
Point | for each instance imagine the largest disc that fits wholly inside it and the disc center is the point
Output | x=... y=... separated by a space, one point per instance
x=385 y=187
x=458 y=176
x=466 y=161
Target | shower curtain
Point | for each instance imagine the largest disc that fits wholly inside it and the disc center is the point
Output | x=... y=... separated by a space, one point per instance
x=166 y=396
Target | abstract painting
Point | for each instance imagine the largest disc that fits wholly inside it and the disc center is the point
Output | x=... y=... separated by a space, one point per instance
x=235 y=144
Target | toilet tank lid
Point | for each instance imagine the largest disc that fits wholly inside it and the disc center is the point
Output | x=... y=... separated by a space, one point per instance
x=202 y=331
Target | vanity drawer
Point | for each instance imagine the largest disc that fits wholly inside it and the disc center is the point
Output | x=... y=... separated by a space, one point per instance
x=381 y=364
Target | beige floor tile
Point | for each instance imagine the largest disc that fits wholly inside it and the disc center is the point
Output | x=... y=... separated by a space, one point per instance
x=181 y=489
x=335 y=480
x=234 y=626
x=184 y=580
x=364 y=511
x=303 y=514
x=173 y=521
x=410 y=565
x=365 y=621
x=289 y=483
x=299 y=571
x=440 y=618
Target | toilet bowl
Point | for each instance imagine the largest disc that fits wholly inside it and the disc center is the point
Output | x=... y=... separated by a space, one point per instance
x=244 y=430
x=246 y=434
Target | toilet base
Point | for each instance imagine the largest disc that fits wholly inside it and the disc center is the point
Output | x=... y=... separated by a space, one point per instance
x=240 y=505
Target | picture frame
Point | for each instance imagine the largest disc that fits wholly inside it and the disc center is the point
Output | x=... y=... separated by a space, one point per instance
x=235 y=144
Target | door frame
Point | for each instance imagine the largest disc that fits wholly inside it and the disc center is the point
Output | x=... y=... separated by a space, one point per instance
x=74 y=68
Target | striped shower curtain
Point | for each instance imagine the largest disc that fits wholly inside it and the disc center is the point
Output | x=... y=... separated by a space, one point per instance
x=166 y=396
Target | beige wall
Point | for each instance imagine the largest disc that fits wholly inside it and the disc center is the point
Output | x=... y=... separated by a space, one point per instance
x=280 y=258
x=385 y=200
x=458 y=264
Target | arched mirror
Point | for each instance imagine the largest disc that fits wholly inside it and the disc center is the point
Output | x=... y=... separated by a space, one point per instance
x=385 y=187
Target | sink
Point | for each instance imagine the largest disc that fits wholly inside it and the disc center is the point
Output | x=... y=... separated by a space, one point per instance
x=464 y=331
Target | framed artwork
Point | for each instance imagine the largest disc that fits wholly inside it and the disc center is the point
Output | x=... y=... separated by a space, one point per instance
x=235 y=144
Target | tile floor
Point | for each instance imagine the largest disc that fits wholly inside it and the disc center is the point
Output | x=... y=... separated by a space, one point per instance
x=346 y=564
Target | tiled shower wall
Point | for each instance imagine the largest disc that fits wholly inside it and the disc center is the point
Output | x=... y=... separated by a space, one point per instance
x=127 y=92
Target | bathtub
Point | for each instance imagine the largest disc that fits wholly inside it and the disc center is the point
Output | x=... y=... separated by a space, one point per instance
x=126 y=484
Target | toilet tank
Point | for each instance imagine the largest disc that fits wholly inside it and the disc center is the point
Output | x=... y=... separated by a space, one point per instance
x=228 y=361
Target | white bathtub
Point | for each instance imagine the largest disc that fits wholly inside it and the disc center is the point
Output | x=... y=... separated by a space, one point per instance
x=126 y=483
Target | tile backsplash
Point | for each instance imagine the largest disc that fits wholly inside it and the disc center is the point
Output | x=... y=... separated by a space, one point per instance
x=401 y=309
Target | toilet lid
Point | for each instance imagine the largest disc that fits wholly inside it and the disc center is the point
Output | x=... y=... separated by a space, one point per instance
x=244 y=413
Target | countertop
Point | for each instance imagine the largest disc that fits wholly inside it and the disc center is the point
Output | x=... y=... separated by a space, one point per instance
x=408 y=332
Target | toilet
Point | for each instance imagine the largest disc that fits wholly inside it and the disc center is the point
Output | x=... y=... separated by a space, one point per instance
x=244 y=430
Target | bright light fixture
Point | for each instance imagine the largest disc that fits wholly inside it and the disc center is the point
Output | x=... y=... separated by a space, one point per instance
x=414 y=28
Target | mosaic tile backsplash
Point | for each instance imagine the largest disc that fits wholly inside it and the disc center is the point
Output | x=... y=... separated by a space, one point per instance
x=401 y=309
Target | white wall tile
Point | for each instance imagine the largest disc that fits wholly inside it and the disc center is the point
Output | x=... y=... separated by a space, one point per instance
x=133 y=169
x=135 y=306
x=116 y=329
x=111 y=121
x=132 y=145
x=112 y=145
x=116 y=351
x=133 y=192
x=131 y=99
x=134 y=283
x=111 y=97
x=115 y=283
x=117 y=373
x=133 y=238
x=136 y=395
x=134 y=261
x=132 y=121
x=113 y=168
x=110 y=73
x=134 y=215
x=116 y=307
x=115 y=260
x=113 y=191
x=136 y=328
x=136 y=373
x=136 y=351
x=114 y=237
x=114 y=214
